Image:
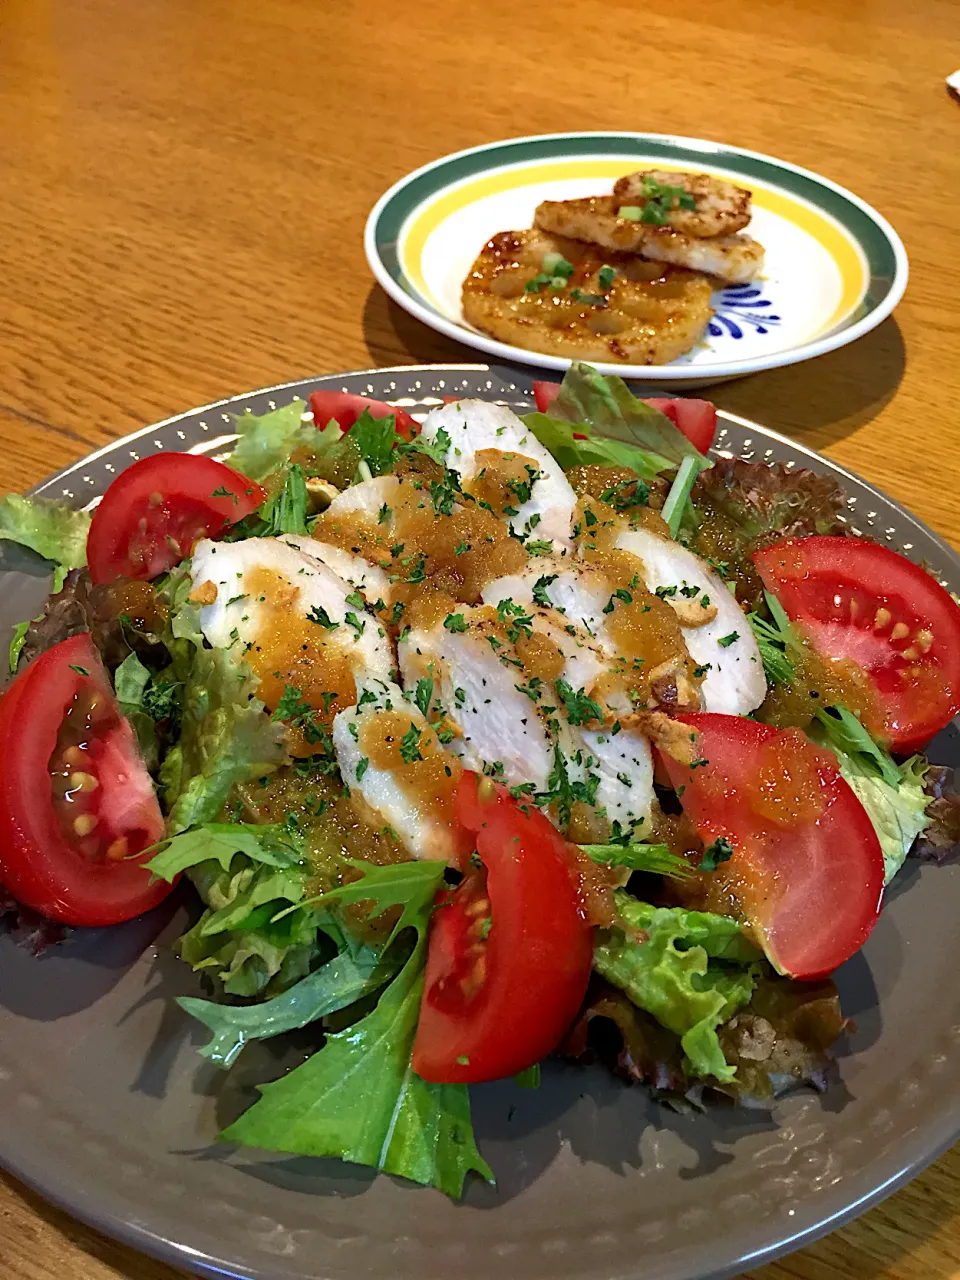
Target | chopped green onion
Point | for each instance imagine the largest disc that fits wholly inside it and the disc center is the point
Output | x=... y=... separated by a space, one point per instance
x=660 y=200
x=593 y=299
x=555 y=264
x=667 y=196
x=537 y=283
x=654 y=214
x=605 y=275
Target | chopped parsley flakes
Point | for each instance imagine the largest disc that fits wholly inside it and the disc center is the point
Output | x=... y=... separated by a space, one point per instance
x=720 y=851
x=410 y=745
x=320 y=616
x=579 y=708
x=540 y=596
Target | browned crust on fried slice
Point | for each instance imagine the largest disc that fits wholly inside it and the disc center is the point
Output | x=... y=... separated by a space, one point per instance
x=649 y=314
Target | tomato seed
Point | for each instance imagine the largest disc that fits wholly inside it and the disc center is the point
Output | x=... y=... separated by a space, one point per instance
x=82 y=782
x=84 y=824
x=486 y=790
x=118 y=849
x=899 y=631
x=73 y=757
x=882 y=619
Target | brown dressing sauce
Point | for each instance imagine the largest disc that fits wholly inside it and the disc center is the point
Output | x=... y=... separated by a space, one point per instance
x=294 y=651
x=540 y=657
x=499 y=477
x=139 y=601
x=430 y=783
x=819 y=682
x=334 y=832
x=427 y=552
x=719 y=540
x=644 y=627
x=722 y=892
x=785 y=789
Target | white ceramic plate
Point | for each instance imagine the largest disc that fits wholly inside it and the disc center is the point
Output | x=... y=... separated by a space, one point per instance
x=834 y=267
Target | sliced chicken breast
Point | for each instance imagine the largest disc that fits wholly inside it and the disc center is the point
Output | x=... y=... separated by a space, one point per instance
x=289 y=617
x=621 y=763
x=369 y=579
x=497 y=723
x=576 y=595
x=398 y=773
x=734 y=683
x=476 y=428
x=367 y=497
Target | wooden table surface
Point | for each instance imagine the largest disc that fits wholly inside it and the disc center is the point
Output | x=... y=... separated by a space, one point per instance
x=183 y=186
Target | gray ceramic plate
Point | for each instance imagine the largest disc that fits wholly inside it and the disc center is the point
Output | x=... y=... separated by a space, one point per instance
x=106 y=1109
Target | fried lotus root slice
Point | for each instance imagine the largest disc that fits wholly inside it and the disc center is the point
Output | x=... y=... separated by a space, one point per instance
x=721 y=208
x=644 y=314
x=734 y=259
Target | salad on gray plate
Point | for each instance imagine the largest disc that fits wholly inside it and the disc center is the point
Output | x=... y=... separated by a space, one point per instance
x=478 y=740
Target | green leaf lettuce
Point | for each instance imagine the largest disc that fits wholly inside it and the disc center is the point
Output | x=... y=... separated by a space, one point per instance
x=620 y=429
x=246 y=875
x=336 y=985
x=359 y=1098
x=267 y=441
x=52 y=529
x=892 y=794
x=226 y=738
x=692 y=972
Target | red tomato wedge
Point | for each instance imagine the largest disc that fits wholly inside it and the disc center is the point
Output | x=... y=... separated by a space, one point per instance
x=806 y=867
x=510 y=951
x=345 y=409
x=77 y=807
x=696 y=419
x=156 y=511
x=544 y=394
x=866 y=603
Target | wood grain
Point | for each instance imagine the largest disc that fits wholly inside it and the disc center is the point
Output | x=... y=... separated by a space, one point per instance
x=184 y=186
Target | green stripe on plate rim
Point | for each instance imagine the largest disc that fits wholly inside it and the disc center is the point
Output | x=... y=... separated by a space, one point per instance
x=841 y=205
